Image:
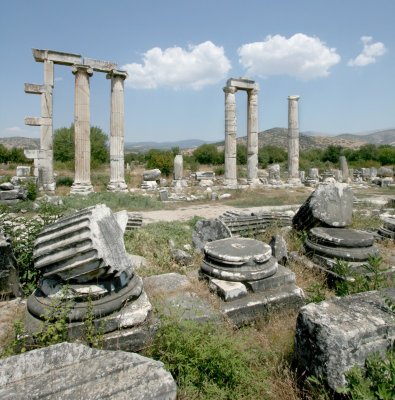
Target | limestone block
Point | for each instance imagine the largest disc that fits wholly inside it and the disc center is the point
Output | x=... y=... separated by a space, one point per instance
x=13 y=194
x=166 y=283
x=206 y=183
x=71 y=371
x=208 y=231
x=279 y=248
x=149 y=185
x=384 y=172
x=329 y=205
x=82 y=247
x=334 y=335
x=313 y=173
x=151 y=174
x=178 y=167
x=164 y=195
x=9 y=281
x=22 y=171
x=228 y=291
x=7 y=186
x=274 y=172
x=204 y=175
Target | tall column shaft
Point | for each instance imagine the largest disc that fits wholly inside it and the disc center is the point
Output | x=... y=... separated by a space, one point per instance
x=45 y=161
x=230 y=135
x=293 y=140
x=252 y=136
x=117 y=167
x=82 y=181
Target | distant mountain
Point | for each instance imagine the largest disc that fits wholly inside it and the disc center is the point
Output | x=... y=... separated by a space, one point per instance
x=279 y=137
x=23 y=142
x=145 y=146
x=386 y=136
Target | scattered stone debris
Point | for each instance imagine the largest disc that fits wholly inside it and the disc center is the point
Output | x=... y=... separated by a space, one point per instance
x=75 y=371
x=279 y=249
x=387 y=231
x=334 y=335
x=9 y=281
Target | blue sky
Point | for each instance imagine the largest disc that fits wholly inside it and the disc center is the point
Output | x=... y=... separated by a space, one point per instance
x=339 y=56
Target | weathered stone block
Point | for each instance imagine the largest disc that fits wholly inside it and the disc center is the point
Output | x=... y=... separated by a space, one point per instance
x=334 y=335
x=9 y=281
x=151 y=174
x=208 y=231
x=83 y=246
x=329 y=205
x=71 y=371
x=228 y=291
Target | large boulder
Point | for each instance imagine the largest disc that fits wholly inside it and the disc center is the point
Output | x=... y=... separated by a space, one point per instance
x=329 y=205
x=74 y=371
x=334 y=335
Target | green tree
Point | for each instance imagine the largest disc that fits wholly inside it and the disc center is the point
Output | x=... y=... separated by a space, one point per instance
x=208 y=154
x=162 y=159
x=241 y=154
x=332 y=154
x=64 y=147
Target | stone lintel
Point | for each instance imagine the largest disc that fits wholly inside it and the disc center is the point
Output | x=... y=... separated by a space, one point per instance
x=100 y=65
x=31 y=154
x=242 y=83
x=36 y=89
x=57 y=57
x=38 y=121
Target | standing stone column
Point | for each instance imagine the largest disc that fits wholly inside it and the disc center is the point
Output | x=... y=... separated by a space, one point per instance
x=46 y=131
x=293 y=141
x=117 y=164
x=82 y=181
x=252 y=136
x=344 y=168
x=230 y=136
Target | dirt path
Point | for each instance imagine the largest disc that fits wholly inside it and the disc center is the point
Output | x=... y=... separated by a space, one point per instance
x=207 y=211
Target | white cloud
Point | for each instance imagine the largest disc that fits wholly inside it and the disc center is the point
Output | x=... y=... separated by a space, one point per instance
x=194 y=67
x=369 y=52
x=301 y=56
x=14 y=129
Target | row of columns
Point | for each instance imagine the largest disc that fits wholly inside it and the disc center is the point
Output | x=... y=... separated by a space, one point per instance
x=83 y=69
x=231 y=133
x=82 y=182
x=252 y=133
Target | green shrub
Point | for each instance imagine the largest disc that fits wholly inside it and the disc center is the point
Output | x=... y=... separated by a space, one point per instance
x=375 y=381
x=64 y=181
x=208 y=362
x=162 y=159
x=371 y=278
x=31 y=189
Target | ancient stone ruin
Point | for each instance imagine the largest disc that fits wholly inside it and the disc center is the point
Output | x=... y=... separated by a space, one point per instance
x=248 y=279
x=293 y=141
x=82 y=68
x=84 y=254
x=252 y=88
x=334 y=335
x=72 y=371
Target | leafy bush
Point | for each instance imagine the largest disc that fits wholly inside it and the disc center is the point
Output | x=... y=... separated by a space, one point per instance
x=375 y=381
x=23 y=232
x=64 y=181
x=208 y=362
x=271 y=154
x=31 y=189
x=371 y=278
x=162 y=159
x=208 y=154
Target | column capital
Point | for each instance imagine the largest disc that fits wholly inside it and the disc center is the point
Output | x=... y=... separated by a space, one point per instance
x=294 y=97
x=253 y=91
x=116 y=73
x=230 y=89
x=80 y=68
